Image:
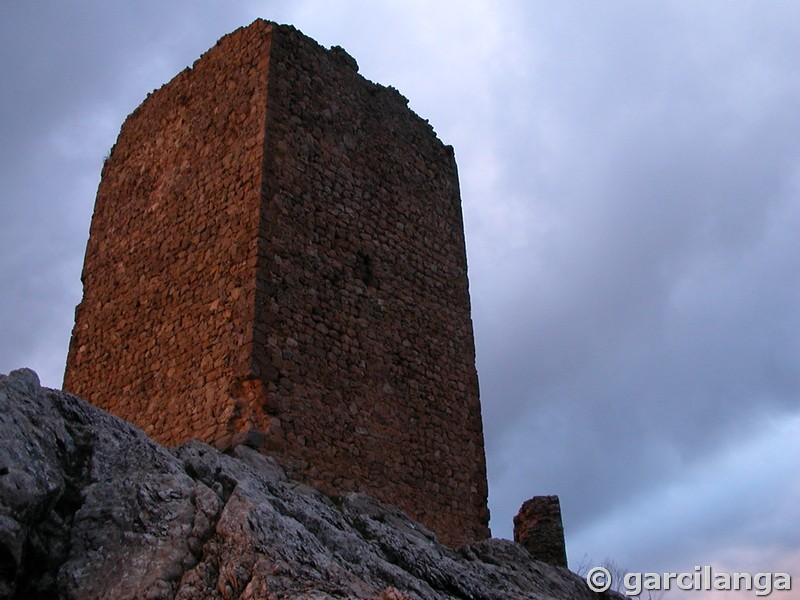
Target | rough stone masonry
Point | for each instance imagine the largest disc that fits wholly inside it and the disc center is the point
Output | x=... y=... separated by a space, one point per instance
x=277 y=255
x=539 y=528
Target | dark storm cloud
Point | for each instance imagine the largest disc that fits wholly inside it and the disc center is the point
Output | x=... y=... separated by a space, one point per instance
x=629 y=177
x=71 y=72
x=652 y=312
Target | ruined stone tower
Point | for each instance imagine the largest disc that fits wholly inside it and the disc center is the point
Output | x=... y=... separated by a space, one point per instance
x=277 y=248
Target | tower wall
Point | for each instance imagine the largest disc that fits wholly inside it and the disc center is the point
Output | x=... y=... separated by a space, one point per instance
x=165 y=324
x=278 y=246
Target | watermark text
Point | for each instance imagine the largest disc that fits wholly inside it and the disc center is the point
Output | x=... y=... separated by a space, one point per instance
x=599 y=579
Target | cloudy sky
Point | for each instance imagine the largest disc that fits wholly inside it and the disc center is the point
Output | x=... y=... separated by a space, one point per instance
x=630 y=176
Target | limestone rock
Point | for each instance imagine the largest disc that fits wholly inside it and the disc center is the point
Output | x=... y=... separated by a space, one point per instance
x=90 y=507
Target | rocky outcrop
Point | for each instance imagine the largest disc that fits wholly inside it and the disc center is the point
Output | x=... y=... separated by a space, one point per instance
x=90 y=507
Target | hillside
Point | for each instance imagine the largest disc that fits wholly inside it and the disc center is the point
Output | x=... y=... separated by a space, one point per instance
x=90 y=507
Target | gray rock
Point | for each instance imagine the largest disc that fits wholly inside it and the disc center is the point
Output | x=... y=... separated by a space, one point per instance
x=92 y=508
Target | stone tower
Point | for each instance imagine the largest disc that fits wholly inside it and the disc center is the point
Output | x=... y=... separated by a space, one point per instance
x=277 y=253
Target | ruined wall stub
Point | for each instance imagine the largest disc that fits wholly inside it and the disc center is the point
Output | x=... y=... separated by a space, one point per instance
x=277 y=246
x=538 y=527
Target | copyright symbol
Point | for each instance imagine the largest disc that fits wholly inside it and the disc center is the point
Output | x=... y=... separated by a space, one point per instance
x=598 y=579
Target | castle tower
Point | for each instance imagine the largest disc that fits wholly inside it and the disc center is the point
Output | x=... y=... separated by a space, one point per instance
x=277 y=248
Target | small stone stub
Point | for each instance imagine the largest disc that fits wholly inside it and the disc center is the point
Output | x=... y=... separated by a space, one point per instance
x=539 y=528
